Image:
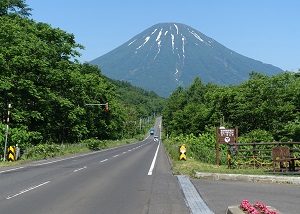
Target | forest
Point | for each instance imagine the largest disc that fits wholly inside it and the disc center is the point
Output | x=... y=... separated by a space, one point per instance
x=47 y=96
x=261 y=107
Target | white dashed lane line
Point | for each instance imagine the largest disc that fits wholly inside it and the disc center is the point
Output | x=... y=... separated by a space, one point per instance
x=103 y=160
x=76 y=170
x=27 y=190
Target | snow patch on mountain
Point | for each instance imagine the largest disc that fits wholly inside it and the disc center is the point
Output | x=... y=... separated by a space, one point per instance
x=176 y=28
x=146 y=40
x=158 y=43
x=173 y=43
x=131 y=42
x=159 y=34
x=197 y=36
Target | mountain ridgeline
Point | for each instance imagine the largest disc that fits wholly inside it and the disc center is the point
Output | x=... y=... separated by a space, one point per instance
x=169 y=55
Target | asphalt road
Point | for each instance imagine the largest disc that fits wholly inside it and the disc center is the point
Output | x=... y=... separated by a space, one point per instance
x=119 y=180
x=219 y=194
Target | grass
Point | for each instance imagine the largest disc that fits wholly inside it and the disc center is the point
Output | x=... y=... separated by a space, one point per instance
x=190 y=166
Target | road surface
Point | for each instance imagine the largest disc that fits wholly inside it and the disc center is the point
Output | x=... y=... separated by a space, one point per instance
x=135 y=178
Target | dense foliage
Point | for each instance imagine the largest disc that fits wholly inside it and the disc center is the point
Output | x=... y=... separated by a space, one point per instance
x=150 y=101
x=265 y=109
x=49 y=89
x=270 y=104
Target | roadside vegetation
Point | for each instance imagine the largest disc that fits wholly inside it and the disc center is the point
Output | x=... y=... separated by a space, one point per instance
x=46 y=151
x=265 y=109
x=50 y=100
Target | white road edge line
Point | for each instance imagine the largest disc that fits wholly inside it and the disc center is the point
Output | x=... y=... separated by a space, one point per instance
x=9 y=170
x=153 y=161
x=27 y=190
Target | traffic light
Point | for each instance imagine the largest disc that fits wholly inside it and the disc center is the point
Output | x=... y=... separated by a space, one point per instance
x=106 y=106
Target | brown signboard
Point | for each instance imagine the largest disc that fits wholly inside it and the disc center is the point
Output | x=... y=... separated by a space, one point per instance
x=227 y=136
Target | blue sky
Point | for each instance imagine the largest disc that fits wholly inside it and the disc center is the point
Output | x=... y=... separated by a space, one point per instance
x=265 y=30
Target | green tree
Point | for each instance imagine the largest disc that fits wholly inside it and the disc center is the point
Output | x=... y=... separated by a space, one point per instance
x=14 y=7
x=263 y=103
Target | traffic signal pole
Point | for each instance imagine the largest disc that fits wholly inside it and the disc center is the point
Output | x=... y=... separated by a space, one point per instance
x=98 y=104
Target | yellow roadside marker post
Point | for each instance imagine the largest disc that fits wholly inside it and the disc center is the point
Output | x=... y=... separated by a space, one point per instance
x=11 y=153
x=182 y=152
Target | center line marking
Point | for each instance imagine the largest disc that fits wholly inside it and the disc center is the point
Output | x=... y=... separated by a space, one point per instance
x=76 y=170
x=103 y=160
x=27 y=190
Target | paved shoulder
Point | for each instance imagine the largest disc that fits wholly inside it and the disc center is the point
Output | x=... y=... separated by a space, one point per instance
x=166 y=196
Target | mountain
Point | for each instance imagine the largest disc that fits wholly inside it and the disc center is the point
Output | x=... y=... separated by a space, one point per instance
x=168 y=55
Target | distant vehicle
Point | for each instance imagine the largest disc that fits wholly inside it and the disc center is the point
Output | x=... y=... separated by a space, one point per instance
x=152 y=132
x=155 y=138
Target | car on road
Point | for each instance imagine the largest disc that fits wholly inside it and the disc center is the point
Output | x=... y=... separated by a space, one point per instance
x=155 y=138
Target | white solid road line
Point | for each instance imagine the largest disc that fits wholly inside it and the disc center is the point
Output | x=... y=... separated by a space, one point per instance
x=153 y=161
x=9 y=170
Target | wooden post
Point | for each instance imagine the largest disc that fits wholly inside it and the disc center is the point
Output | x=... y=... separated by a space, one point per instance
x=236 y=135
x=217 y=147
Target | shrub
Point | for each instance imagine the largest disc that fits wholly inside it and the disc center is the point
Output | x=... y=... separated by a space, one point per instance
x=95 y=144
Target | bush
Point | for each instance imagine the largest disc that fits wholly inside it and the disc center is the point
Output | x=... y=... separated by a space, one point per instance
x=95 y=144
x=257 y=136
x=200 y=148
x=43 y=151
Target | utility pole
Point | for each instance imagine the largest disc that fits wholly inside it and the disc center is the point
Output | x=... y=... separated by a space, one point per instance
x=6 y=132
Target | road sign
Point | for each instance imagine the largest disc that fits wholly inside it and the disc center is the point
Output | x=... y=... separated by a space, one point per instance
x=227 y=136
x=182 y=151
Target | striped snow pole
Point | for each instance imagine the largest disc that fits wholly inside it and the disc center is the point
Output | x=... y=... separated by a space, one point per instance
x=6 y=132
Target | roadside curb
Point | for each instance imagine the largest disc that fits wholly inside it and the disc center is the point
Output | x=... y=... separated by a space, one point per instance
x=249 y=178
